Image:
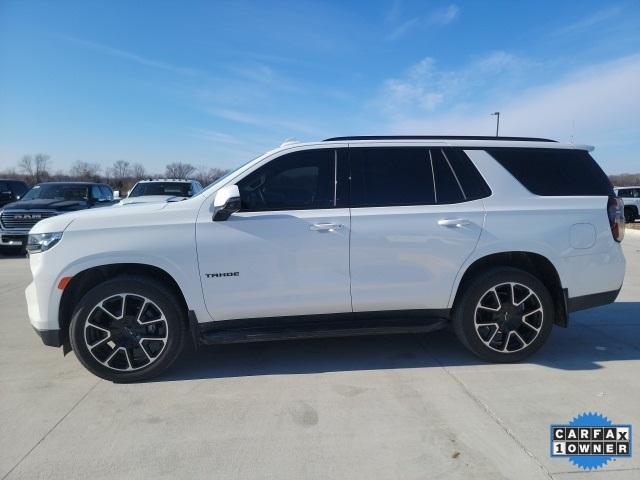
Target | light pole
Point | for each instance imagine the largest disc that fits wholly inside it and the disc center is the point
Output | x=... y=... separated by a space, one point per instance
x=497 y=114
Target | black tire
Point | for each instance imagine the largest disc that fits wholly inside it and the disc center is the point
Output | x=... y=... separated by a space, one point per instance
x=157 y=301
x=629 y=215
x=485 y=331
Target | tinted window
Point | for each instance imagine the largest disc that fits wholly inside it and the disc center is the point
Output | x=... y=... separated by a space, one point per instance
x=56 y=191
x=107 y=193
x=296 y=181
x=391 y=176
x=4 y=187
x=629 y=192
x=552 y=172
x=97 y=193
x=175 y=189
x=473 y=185
x=18 y=188
x=448 y=189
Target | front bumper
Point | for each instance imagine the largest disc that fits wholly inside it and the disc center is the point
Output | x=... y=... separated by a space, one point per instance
x=13 y=239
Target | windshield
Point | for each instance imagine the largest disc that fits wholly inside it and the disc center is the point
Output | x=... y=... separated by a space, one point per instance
x=57 y=192
x=174 y=189
x=227 y=175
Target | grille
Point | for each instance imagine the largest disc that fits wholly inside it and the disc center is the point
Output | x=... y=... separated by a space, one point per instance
x=23 y=220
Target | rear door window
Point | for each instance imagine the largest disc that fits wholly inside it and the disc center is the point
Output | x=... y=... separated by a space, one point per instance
x=448 y=188
x=554 y=172
x=391 y=176
x=472 y=183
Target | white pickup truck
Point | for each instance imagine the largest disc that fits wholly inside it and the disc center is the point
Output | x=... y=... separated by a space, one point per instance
x=631 y=198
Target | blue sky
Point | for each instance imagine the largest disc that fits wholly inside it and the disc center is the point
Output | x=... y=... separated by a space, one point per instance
x=216 y=83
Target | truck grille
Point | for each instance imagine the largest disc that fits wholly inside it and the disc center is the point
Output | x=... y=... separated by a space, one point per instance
x=23 y=220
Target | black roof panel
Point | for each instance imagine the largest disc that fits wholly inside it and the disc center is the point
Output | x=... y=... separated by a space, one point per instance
x=436 y=137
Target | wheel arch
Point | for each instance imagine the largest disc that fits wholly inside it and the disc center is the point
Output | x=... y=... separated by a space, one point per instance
x=534 y=263
x=84 y=281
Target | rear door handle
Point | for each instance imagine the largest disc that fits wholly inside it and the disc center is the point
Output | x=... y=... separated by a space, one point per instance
x=453 y=222
x=325 y=227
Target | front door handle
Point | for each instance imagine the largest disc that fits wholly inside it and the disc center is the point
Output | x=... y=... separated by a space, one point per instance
x=453 y=222
x=325 y=227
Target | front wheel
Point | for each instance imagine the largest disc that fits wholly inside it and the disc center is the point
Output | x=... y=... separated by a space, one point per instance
x=504 y=315
x=127 y=329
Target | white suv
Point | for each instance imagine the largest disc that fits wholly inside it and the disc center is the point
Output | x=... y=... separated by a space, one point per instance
x=351 y=235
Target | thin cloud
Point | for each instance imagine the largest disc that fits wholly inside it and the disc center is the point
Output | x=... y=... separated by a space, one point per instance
x=425 y=87
x=440 y=17
x=595 y=105
x=130 y=56
x=213 y=136
x=445 y=15
x=404 y=28
x=267 y=76
x=590 y=21
x=262 y=121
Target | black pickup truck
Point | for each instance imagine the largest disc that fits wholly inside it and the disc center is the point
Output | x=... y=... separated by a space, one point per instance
x=11 y=191
x=47 y=200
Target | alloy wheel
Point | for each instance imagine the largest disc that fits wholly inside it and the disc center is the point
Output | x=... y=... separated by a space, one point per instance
x=508 y=317
x=126 y=332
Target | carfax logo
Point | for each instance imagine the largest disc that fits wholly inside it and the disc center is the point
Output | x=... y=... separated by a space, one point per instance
x=590 y=440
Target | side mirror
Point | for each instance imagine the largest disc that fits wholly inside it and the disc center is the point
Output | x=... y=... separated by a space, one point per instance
x=226 y=202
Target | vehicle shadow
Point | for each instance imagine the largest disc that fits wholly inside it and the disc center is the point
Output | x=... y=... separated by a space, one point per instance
x=12 y=255
x=597 y=336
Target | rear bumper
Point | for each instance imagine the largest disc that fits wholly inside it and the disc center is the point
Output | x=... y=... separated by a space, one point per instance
x=51 y=338
x=593 y=300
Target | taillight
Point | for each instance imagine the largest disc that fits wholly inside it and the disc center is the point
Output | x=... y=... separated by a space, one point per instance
x=615 y=211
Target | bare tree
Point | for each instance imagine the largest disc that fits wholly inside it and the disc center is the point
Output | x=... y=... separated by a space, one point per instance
x=121 y=170
x=85 y=171
x=10 y=173
x=206 y=175
x=43 y=162
x=36 y=167
x=139 y=172
x=25 y=165
x=625 y=179
x=179 y=170
x=120 y=174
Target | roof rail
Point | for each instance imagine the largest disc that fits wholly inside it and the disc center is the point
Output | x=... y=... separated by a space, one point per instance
x=436 y=137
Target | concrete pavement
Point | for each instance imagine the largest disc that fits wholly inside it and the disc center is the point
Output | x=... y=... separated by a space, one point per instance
x=403 y=406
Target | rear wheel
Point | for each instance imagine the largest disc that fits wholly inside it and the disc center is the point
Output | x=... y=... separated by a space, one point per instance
x=128 y=329
x=629 y=215
x=504 y=315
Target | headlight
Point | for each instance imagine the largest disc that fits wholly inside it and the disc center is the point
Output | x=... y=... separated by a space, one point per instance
x=41 y=242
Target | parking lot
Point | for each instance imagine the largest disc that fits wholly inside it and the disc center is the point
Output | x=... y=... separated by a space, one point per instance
x=401 y=406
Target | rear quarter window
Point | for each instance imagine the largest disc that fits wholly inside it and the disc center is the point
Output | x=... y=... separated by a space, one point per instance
x=554 y=172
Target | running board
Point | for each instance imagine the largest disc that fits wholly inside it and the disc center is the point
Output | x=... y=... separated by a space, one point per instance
x=294 y=331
